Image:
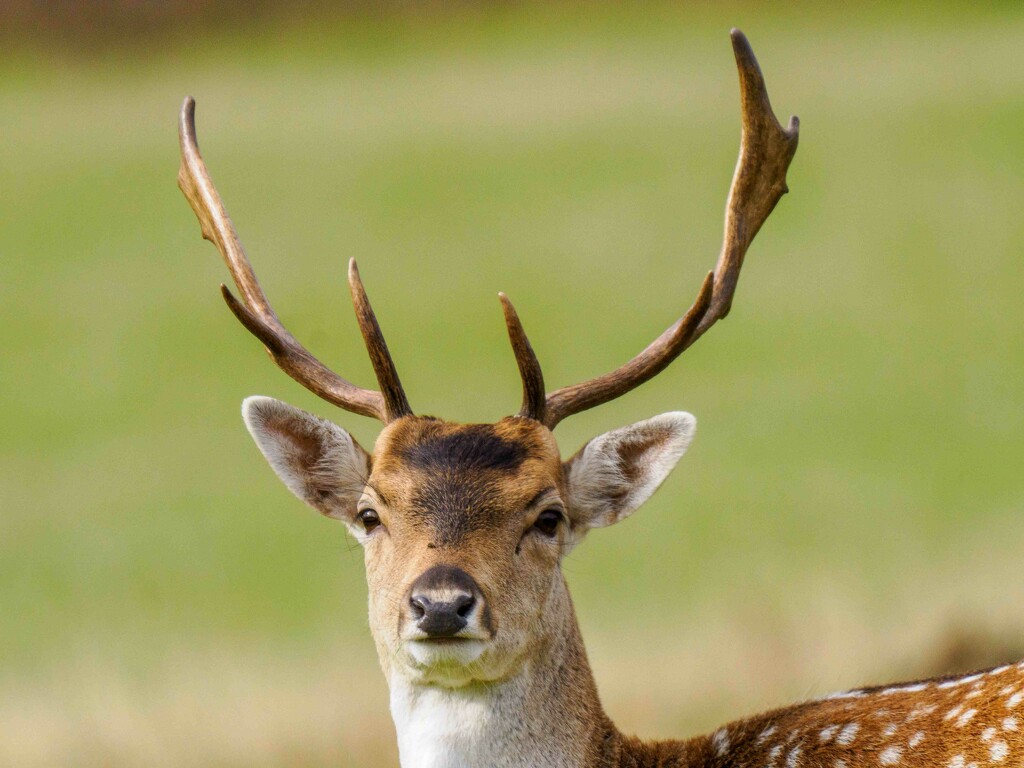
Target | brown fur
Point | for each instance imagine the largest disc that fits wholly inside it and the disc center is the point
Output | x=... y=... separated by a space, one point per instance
x=956 y=722
x=464 y=495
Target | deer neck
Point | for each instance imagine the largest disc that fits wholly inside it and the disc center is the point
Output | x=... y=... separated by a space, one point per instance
x=547 y=715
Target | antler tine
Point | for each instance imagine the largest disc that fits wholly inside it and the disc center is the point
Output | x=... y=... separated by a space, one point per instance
x=255 y=312
x=766 y=150
x=529 y=368
x=396 y=403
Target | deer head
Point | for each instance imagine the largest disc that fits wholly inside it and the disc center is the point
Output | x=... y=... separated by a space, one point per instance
x=464 y=526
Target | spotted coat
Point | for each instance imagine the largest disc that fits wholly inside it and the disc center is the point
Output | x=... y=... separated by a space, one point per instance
x=969 y=721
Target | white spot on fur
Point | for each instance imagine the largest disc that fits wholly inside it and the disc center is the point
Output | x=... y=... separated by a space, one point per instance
x=1009 y=723
x=848 y=734
x=843 y=695
x=1014 y=700
x=720 y=741
x=972 y=694
x=916 y=739
x=988 y=734
x=839 y=763
x=965 y=718
x=765 y=734
x=1005 y=690
x=999 y=670
x=920 y=711
x=953 y=712
x=960 y=681
x=827 y=733
x=890 y=756
x=904 y=689
x=956 y=762
x=999 y=751
x=793 y=758
x=773 y=755
x=889 y=731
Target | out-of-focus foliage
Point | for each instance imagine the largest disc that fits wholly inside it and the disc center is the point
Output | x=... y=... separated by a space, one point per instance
x=855 y=488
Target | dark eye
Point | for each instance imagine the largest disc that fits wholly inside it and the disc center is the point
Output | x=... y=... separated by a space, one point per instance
x=547 y=522
x=369 y=518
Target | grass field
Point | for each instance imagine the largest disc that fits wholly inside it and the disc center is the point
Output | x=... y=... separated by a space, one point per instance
x=854 y=497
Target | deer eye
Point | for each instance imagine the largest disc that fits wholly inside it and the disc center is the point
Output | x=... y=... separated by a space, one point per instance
x=547 y=522
x=369 y=518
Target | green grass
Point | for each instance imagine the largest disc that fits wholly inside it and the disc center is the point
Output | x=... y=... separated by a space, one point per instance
x=855 y=487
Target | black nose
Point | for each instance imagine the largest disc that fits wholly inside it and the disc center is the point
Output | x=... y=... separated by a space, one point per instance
x=442 y=600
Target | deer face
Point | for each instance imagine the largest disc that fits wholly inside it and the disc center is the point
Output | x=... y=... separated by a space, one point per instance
x=464 y=526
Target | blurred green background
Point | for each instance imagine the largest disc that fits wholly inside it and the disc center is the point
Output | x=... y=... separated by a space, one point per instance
x=852 y=510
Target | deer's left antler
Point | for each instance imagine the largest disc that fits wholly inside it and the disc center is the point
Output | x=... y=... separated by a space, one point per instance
x=766 y=149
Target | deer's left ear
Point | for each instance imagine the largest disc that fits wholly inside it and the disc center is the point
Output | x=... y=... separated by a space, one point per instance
x=615 y=473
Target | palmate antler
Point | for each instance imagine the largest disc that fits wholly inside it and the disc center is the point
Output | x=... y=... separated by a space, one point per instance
x=766 y=150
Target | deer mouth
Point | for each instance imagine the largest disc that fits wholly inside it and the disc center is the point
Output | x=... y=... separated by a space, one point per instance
x=445 y=651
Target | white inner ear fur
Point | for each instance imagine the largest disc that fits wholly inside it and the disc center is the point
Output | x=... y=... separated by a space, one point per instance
x=615 y=473
x=318 y=460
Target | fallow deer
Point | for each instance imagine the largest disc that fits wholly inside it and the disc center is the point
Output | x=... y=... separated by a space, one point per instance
x=464 y=527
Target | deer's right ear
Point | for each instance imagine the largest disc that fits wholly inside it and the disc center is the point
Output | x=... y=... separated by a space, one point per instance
x=318 y=460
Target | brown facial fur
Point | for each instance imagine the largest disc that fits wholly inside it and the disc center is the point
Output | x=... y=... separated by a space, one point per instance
x=465 y=495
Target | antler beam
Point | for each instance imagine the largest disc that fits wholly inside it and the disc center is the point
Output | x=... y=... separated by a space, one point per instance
x=256 y=314
x=766 y=150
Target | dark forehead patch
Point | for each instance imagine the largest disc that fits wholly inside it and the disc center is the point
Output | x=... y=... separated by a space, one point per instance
x=457 y=479
x=454 y=505
x=474 y=447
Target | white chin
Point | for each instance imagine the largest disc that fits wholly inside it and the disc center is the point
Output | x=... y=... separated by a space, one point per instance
x=430 y=653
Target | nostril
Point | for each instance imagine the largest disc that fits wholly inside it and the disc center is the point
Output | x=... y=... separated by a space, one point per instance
x=418 y=604
x=464 y=605
x=442 y=602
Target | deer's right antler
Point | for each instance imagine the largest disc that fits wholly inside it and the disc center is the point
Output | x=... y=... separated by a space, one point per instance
x=766 y=150
x=256 y=314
